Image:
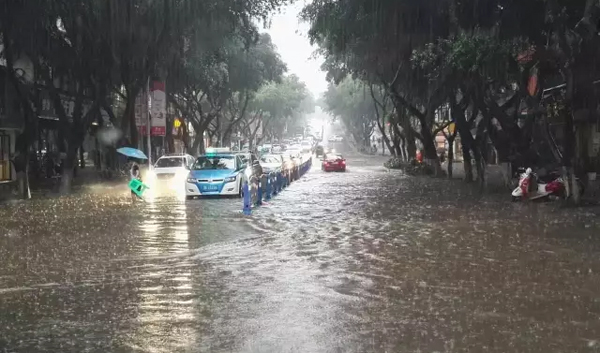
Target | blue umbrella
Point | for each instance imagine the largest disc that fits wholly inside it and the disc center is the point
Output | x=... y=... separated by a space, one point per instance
x=132 y=152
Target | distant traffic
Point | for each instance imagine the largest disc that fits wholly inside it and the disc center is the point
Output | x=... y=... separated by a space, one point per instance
x=223 y=171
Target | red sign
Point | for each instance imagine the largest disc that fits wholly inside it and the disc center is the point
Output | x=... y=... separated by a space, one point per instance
x=154 y=130
x=158 y=109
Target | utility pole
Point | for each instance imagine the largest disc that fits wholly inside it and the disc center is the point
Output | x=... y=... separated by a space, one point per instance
x=149 y=123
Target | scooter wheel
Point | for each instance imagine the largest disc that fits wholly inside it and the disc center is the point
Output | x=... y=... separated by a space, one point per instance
x=516 y=199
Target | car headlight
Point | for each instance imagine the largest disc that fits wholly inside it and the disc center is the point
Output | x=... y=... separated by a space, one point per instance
x=191 y=180
x=230 y=179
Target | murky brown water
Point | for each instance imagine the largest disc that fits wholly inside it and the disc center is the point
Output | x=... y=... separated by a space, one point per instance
x=366 y=261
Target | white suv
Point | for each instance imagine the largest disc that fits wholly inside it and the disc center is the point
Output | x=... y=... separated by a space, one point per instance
x=172 y=167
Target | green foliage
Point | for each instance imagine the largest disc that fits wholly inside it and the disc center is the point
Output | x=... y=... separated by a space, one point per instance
x=412 y=167
x=281 y=104
x=352 y=103
x=470 y=55
x=208 y=51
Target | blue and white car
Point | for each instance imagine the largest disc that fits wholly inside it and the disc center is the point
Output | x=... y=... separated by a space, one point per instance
x=219 y=173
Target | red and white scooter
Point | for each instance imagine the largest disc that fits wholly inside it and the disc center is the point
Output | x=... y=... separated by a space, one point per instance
x=554 y=187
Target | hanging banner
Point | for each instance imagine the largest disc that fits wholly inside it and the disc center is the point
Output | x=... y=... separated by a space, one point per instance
x=158 y=109
x=141 y=110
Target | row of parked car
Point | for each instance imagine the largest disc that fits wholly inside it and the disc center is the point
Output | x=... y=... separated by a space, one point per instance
x=222 y=172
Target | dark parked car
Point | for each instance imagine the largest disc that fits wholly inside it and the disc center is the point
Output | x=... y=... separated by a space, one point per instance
x=320 y=151
x=252 y=161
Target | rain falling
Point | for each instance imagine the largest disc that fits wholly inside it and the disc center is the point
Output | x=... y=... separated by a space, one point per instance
x=299 y=176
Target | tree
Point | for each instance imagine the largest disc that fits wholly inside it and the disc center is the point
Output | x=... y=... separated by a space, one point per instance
x=275 y=108
x=152 y=38
x=374 y=41
x=488 y=59
x=210 y=83
x=85 y=51
x=12 y=15
x=258 y=64
x=352 y=103
x=479 y=59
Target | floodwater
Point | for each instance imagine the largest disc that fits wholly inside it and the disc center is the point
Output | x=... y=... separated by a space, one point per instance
x=363 y=261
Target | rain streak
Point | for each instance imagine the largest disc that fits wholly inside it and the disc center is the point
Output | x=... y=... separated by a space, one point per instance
x=299 y=176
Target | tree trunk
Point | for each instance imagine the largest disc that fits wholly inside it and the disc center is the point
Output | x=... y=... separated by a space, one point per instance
x=385 y=139
x=399 y=149
x=226 y=139
x=571 y=188
x=66 y=178
x=128 y=118
x=450 y=159
x=506 y=168
x=430 y=155
x=81 y=157
x=480 y=166
x=198 y=145
x=396 y=145
x=185 y=138
x=169 y=136
x=467 y=163
x=21 y=166
x=408 y=139
x=466 y=139
x=23 y=184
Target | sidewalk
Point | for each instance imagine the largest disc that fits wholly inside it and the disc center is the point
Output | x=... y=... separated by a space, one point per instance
x=86 y=177
x=495 y=181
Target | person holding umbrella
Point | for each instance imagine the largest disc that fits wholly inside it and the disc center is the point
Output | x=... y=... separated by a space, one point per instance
x=134 y=172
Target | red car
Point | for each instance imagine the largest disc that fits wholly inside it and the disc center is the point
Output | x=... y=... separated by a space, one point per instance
x=333 y=163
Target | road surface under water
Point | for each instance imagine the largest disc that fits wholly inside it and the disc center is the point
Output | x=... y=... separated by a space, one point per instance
x=363 y=261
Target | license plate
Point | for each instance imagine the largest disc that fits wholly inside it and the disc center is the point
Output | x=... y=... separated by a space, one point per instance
x=210 y=187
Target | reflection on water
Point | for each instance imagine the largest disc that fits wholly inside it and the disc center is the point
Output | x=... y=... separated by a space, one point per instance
x=166 y=300
x=365 y=261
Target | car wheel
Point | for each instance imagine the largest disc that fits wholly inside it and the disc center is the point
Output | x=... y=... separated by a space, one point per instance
x=189 y=197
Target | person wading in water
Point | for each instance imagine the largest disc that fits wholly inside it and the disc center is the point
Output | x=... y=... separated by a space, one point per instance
x=135 y=173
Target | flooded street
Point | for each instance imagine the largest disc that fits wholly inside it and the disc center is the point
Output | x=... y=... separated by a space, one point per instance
x=363 y=261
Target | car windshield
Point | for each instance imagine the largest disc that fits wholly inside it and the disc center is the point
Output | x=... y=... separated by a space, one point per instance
x=284 y=157
x=169 y=162
x=269 y=159
x=333 y=157
x=217 y=162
